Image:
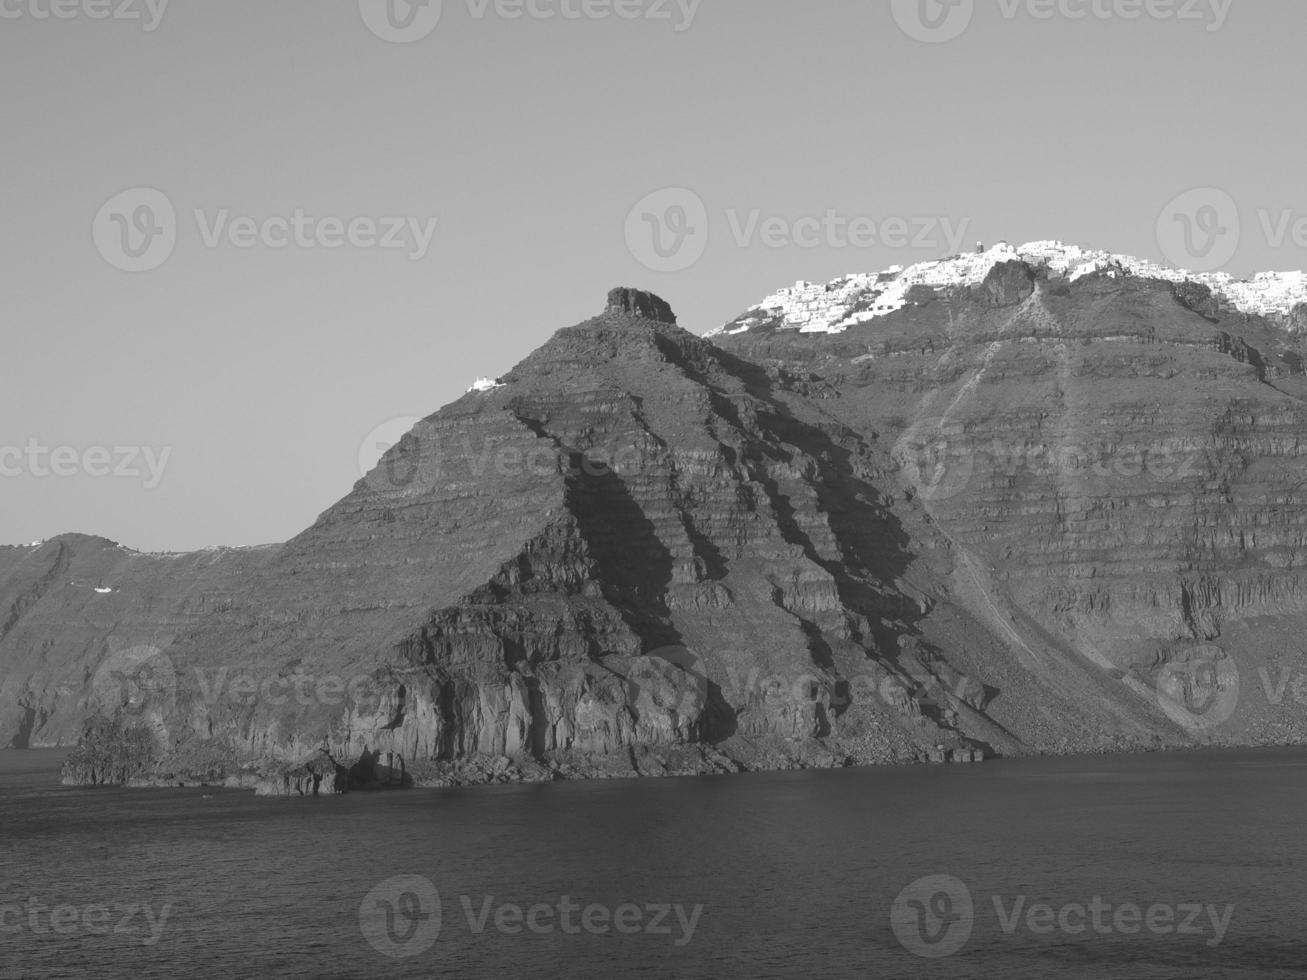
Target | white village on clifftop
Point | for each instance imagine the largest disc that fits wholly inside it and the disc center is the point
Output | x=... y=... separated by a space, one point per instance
x=856 y=298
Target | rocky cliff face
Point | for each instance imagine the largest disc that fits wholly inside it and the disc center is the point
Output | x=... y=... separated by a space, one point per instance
x=998 y=519
x=638 y=554
x=79 y=615
x=1117 y=465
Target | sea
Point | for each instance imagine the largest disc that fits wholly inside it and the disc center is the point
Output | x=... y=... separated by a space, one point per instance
x=1166 y=865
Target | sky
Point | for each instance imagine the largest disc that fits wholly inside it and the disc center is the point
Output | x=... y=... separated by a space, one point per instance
x=244 y=243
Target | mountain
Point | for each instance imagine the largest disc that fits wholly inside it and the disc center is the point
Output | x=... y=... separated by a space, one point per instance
x=75 y=603
x=1028 y=500
x=1112 y=449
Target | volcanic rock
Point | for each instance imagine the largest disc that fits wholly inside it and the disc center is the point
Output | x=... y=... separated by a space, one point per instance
x=1115 y=467
x=1006 y=284
x=636 y=302
x=999 y=518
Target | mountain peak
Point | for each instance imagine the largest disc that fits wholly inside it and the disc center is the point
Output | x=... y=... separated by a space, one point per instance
x=637 y=302
x=856 y=298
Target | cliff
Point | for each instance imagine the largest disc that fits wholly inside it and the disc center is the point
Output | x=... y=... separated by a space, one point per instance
x=1002 y=518
x=1116 y=463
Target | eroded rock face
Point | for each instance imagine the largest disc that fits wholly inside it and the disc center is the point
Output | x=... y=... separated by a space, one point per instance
x=1006 y=284
x=997 y=520
x=1297 y=319
x=82 y=620
x=1116 y=467
x=636 y=302
x=1197 y=297
x=319 y=775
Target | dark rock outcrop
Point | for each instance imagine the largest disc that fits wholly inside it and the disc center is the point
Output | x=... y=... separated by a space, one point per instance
x=1006 y=284
x=110 y=752
x=637 y=302
x=1197 y=297
x=1297 y=319
x=319 y=775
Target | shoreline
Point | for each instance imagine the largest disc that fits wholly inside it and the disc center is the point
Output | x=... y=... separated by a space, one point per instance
x=504 y=771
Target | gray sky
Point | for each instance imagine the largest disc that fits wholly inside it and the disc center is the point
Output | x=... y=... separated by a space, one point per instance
x=260 y=371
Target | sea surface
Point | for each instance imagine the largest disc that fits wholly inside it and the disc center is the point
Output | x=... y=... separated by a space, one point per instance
x=1166 y=865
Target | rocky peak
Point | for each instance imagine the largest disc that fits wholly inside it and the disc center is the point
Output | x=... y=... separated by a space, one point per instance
x=637 y=302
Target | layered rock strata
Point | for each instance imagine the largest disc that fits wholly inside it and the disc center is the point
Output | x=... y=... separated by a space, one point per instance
x=1005 y=517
